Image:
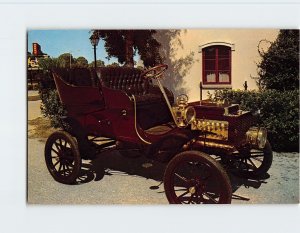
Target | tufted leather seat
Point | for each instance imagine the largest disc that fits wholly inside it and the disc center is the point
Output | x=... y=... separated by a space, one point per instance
x=81 y=77
x=130 y=80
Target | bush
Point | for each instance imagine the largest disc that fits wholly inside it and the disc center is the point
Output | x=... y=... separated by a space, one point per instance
x=279 y=66
x=278 y=112
x=51 y=106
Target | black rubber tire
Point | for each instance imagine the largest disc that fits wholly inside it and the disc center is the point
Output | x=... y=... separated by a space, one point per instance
x=262 y=168
x=63 y=149
x=220 y=179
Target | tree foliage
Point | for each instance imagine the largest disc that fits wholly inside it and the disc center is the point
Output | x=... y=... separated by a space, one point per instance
x=124 y=44
x=99 y=63
x=81 y=62
x=66 y=60
x=48 y=63
x=63 y=61
x=114 y=64
x=279 y=68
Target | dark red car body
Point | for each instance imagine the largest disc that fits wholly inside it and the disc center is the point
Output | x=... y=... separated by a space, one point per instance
x=126 y=107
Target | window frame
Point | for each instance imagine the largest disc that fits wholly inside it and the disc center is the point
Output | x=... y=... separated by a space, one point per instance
x=217 y=46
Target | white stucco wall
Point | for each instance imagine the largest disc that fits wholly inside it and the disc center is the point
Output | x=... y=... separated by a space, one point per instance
x=244 y=58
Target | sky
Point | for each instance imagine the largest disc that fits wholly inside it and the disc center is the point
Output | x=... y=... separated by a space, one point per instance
x=76 y=42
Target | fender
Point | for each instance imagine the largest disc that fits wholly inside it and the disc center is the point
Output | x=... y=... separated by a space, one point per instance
x=166 y=148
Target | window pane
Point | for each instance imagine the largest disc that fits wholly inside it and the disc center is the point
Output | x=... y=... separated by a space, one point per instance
x=224 y=64
x=210 y=77
x=210 y=64
x=223 y=51
x=210 y=53
x=223 y=77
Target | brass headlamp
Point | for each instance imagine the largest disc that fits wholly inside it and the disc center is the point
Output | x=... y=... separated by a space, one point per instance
x=257 y=137
x=183 y=113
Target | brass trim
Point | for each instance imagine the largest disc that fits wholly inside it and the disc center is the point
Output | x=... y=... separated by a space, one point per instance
x=214 y=145
x=215 y=129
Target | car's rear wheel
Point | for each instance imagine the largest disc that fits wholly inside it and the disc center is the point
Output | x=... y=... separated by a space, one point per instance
x=193 y=177
x=62 y=157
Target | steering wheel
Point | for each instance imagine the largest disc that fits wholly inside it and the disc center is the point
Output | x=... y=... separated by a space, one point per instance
x=155 y=72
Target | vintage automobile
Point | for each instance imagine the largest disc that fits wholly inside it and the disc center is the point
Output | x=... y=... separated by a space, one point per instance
x=129 y=110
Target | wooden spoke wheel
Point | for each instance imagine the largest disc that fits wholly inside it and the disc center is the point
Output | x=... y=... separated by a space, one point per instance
x=249 y=162
x=193 y=177
x=62 y=157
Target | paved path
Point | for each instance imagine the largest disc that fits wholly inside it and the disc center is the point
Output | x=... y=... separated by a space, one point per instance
x=113 y=179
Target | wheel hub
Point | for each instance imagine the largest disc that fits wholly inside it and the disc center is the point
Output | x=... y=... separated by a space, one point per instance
x=196 y=186
x=192 y=190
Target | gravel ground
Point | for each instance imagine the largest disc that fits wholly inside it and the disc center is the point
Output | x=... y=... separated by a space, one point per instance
x=114 y=179
x=34 y=110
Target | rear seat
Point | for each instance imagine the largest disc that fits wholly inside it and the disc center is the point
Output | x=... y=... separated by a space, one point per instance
x=130 y=81
x=77 y=91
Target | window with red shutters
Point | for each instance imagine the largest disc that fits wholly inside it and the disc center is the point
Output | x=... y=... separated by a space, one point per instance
x=216 y=64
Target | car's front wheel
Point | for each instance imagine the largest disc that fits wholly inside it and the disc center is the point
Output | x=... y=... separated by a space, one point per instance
x=193 y=177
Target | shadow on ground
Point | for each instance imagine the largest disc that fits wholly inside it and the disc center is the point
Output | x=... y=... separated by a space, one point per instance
x=112 y=163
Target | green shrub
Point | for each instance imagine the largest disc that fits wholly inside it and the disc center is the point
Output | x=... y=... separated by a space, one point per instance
x=278 y=112
x=51 y=106
x=279 y=65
